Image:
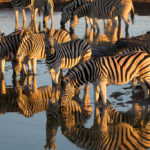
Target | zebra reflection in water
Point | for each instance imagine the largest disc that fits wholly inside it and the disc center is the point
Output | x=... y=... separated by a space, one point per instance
x=23 y=99
x=81 y=108
x=106 y=132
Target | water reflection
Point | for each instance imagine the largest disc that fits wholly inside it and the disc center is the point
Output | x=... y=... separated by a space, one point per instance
x=111 y=129
x=81 y=109
x=24 y=97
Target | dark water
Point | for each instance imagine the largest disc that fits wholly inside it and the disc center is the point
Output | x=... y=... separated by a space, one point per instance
x=27 y=122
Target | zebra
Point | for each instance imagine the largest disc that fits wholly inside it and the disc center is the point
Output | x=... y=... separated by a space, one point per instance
x=103 y=135
x=21 y=4
x=71 y=7
x=32 y=47
x=105 y=9
x=46 y=6
x=107 y=70
x=8 y=47
x=65 y=56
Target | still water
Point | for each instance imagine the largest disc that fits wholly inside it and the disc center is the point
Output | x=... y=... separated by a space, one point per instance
x=29 y=123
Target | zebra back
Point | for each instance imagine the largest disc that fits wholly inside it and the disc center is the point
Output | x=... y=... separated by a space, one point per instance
x=69 y=8
x=22 y=3
x=9 y=44
x=67 y=54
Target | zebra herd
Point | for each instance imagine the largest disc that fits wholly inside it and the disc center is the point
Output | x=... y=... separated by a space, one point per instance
x=61 y=52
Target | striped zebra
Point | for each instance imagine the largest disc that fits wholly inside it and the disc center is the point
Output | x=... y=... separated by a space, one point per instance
x=106 y=9
x=104 y=136
x=22 y=5
x=32 y=47
x=69 y=8
x=46 y=6
x=125 y=51
x=103 y=71
x=65 y=55
x=8 y=47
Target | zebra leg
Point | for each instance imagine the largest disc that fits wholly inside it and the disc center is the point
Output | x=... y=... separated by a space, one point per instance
x=87 y=21
x=51 y=15
x=74 y=21
x=2 y=64
x=29 y=67
x=134 y=83
x=96 y=92
x=103 y=91
x=2 y=86
x=23 y=70
x=55 y=75
x=119 y=28
x=33 y=61
x=16 y=20
x=24 y=18
x=145 y=88
x=127 y=23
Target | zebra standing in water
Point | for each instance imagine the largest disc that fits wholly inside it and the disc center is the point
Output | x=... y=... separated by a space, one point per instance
x=21 y=4
x=32 y=47
x=8 y=48
x=46 y=6
x=70 y=8
x=103 y=71
x=106 y=9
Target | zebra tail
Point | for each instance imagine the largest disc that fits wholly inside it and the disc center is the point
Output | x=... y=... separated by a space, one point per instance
x=132 y=14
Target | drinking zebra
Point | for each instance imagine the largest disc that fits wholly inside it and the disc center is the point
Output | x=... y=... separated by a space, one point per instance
x=68 y=10
x=103 y=71
x=105 y=9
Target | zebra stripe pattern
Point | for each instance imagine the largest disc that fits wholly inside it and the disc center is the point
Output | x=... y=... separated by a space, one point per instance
x=125 y=51
x=109 y=70
x=65 y=55
x=105 y=9
x=9 y=45
x=103 y=136
x=69 y=8
x=32 y=47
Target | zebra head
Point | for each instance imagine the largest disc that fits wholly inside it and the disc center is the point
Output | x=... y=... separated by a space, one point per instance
x=67 y=91
x=65 y=16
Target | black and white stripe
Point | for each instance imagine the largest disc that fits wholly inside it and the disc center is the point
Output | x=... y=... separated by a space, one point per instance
x=109 y=70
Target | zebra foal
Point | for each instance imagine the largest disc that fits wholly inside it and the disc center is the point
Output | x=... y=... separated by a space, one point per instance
x=103 y=71
x=105 y=9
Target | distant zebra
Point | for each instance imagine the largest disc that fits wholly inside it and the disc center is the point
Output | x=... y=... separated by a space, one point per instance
x=105 y=9
x=103 y=71
x=8 y=47
x=32 y=47
x=46 y=6
x=21 y=4
x=68 y=10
